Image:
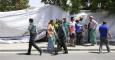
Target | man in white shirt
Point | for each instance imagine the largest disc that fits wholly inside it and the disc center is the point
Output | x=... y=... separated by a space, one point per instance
x=92 y=29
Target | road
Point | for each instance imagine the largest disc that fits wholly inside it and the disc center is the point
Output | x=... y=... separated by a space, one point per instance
x=73 y=55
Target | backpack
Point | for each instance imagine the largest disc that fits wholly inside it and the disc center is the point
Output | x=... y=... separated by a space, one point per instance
x=33 y=29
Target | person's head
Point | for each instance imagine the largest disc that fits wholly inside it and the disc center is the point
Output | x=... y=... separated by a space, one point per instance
x=104 y=22
x=72 y=19
x=64 y=19
x=77 y=21
x=51 y=22
x=31 y=20
x=61 y=23
x=91 y=17
x=81 y=18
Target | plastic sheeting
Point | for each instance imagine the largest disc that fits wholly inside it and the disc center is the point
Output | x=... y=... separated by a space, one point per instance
x=13 y=24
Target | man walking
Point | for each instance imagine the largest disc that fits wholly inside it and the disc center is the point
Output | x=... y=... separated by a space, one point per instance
x=104 y=32
x=33 y=34
x=62 y=37
x=66 y=26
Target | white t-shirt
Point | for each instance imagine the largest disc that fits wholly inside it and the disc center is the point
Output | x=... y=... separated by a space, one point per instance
x=72 y=25
x=93 y=24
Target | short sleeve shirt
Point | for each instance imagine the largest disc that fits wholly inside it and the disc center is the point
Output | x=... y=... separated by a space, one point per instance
x=93 y=24
x=50 y=30
x=103 y=29
x=72 y=27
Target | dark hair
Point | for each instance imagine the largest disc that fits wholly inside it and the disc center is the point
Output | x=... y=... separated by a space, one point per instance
x=51 y=21
x=104 y=22
x=77 y=21
x=72 y=18
x=60 y=21
x=31 y=20
x=81 y=19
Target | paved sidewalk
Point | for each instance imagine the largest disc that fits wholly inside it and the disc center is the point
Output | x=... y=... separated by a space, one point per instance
x=18 y=47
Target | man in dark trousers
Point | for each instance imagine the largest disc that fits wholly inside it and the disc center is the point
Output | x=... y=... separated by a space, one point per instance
x=79 y=30
x=89 y=32
x=33 y=34
x=104 y=32
x=62 y=37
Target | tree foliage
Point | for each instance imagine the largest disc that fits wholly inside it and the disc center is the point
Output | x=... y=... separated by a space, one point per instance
x=77 y=5
x=9 y=5
x=71 y=7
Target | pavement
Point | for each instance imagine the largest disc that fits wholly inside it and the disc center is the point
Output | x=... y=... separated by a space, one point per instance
x=22 y=47
x=16 y=51
x=70 y=56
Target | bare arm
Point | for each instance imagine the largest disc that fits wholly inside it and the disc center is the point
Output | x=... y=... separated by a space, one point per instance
x=25 y=33
x=96 y=23
x=109 y=33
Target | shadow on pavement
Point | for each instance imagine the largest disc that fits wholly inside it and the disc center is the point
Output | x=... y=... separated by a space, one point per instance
x=98 y=52
x=94 y=52
x=22 y=53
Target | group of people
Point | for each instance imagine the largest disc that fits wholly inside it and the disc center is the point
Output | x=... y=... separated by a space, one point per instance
x=70 y=33
x=62 y=33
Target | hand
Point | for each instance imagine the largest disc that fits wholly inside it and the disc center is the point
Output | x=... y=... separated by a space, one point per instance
x=94 y=28
x=110 y=37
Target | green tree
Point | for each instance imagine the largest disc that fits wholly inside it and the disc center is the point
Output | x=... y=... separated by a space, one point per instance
x=94 y=5
x=9 y=5
x=77 y=5
x=72 y=9
x=112 y=6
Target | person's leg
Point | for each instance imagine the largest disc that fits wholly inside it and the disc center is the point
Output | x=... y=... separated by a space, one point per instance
x=81 y=38
x=50 y=45
x=107 y=45
x=77 y=39
x=93 y=37
x=100 y=47
x=59 y=45
x=30 y=45
x=29 y=48
x=38 y=49
x=54 y=49
x=64 y=47
x=33 y=43
x=89 y=36
x=73 y=40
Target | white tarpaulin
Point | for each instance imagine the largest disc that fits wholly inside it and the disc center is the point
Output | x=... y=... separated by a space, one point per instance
x=13 y=24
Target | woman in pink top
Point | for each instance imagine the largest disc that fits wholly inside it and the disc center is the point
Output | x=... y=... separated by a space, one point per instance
x=72 y=32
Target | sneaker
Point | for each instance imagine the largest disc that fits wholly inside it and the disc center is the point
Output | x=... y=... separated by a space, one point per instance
x=28 y=54
x=92 y=44
x=109 y=51
x=40 y=53
x=55 y=53
x=65 y=52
